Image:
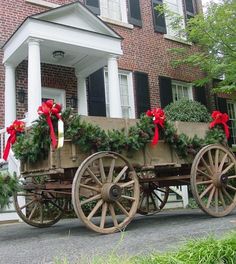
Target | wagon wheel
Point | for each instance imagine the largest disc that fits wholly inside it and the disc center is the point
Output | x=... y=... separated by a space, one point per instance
x=152 y=197
x=38 y=207
x=105 y=185
x=213 y=180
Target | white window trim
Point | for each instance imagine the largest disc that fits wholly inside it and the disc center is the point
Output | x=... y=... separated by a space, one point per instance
x=170 y=36
x=42 y=3
x=234 y=106
x=130 y=90
x=189 y=85
x=51 y=92
x=123 y=10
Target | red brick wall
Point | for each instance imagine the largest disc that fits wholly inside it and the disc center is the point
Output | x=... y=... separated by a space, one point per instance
x=144 y=50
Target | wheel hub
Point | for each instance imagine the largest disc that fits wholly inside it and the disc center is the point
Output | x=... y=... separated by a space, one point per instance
x=111 y=192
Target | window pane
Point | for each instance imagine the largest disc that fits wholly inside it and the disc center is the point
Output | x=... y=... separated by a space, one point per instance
x=111 y=9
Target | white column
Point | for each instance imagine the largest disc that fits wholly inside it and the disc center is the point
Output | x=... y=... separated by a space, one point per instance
x=34 y=79
x=114 y=90
x=82 y=95
x=10 y=94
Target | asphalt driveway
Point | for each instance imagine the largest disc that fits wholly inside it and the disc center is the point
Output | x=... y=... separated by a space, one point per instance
x=20 y=243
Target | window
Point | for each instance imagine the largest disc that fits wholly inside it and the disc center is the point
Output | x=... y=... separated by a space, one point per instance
x=181 y=90
x=58 y=95
x=175 y=6
x=231 y=109
x=126 y=94
x=114 y=10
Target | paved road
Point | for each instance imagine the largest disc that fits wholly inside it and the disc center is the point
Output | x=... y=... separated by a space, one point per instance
x=20 y=243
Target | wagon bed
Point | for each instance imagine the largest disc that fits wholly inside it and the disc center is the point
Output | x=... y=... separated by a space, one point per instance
x=116 y=186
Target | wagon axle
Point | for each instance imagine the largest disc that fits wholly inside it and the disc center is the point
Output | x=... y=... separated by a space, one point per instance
x=111 y=192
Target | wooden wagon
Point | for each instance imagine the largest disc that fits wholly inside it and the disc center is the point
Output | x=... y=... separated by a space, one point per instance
x=107 y=188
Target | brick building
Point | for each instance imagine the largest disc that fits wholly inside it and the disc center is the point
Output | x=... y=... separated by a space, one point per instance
x=78 y=75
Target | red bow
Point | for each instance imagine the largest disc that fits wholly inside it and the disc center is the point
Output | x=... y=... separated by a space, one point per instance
x=16 y=127
x=159 y=117
x=48 y=109
x=220 y=118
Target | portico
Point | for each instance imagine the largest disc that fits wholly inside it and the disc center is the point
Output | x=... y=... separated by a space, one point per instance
x=86 y=43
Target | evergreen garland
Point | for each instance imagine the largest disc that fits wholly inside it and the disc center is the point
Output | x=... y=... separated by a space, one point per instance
x=35 y=143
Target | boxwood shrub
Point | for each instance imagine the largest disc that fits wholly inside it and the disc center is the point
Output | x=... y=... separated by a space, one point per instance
x=187 y=111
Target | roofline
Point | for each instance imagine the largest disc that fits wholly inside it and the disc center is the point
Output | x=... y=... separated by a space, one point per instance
x=84 y=6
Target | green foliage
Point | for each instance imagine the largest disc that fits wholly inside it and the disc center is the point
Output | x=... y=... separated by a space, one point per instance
x=196 y=251
x=8 y=185
x=215 y=35
x=35 y=143
x=187 y=111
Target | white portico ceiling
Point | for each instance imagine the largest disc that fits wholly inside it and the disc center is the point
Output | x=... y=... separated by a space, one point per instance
x=85 y=40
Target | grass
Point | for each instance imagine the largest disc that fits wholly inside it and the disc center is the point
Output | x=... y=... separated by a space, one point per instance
x=196 y=251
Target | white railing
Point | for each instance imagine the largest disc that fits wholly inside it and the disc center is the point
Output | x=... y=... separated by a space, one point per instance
x=182 y=191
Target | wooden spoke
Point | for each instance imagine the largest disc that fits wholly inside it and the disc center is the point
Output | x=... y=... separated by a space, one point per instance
x=127 y=184
x=89 y=187
x=210 y=197
x=227 y=168
x=230 y=187
x=56 y=205
x=113 y=215
x=94 y=177
x=104 y=213
x=206 y=166
x=222 y=162
x=211 y=161
x=222 y=199
x=157 y=196
x=111 y=170
x=147 y=202
x=216 y=159
x=95 y=197
x=153 y=201
x=206 y=190
x=227 y=194
x=96 y=207
x=128 y=197
x=121 y=173
x=216 y=200
x=232 y=177
x=122 y=208
x=33 y=211
x=101 y=167
x=203 y=182
x=27 y=204
x=204 y=173
x=41 y=213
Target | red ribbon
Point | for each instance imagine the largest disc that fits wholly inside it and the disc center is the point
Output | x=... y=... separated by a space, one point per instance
x=16 y=127
x=159 y=117
x=48 y=109
x=220 y=118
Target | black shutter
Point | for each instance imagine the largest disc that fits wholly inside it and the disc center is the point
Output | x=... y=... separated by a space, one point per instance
x=165 y=91
x=222 y=107
x=93 y=5
x=158 y=18
x=142 y=92
x=96 y=94
x=200 y=95
x=134 y=13
x=190 y=8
